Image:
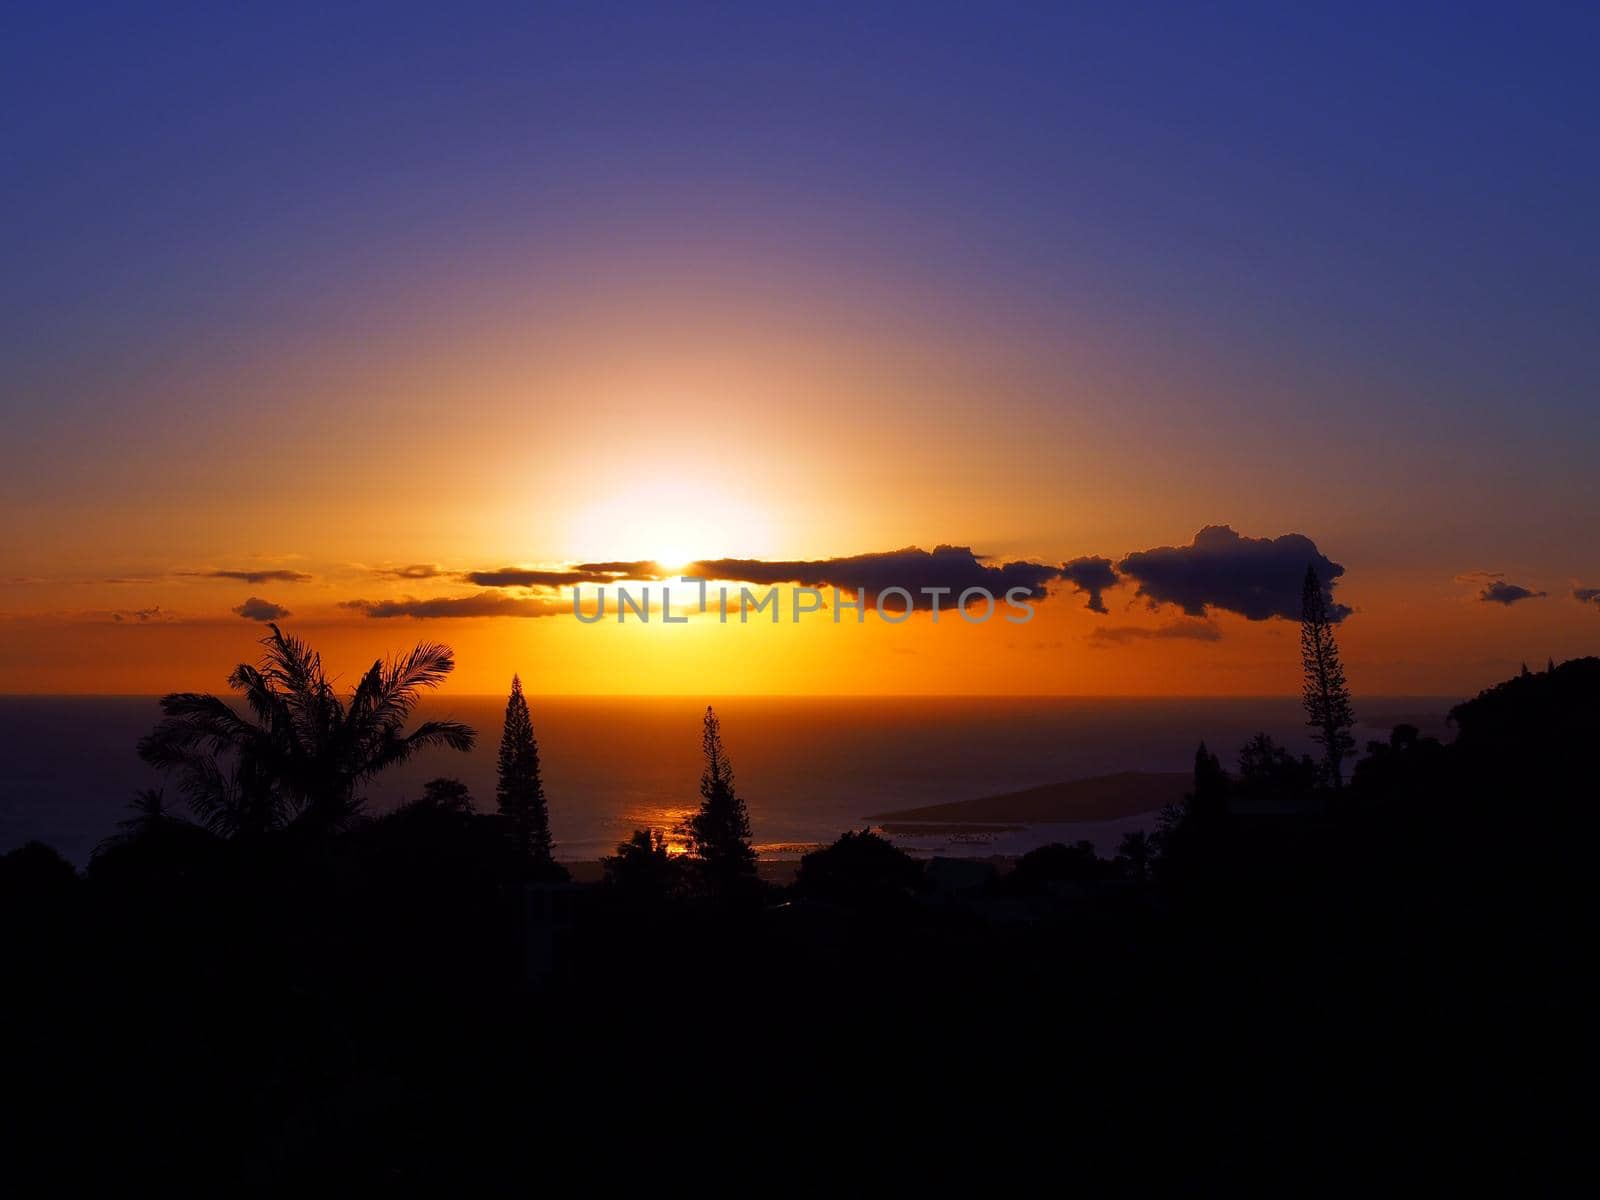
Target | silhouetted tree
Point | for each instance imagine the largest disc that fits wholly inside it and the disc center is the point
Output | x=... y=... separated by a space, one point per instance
x=641 y=868
x=1135 y=854
x=450 y=795
x=860 y=869
x=307 y=750
x=31 y=871
x=1558 y=711
x=1405 y=764
x=1326 y=695
x=1057 y=863
x=1208 y=802
x=1269 y=772
x=719 y=834
x=150 y=818
x=520 y=791
x=1203 y=812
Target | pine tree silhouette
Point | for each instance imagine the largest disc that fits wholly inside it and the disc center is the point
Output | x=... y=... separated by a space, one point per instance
x=1326 y=695
x=719 y=834
x=1208 y=803
x=520 y=792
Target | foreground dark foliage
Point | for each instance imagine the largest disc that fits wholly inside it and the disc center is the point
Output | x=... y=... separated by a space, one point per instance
x=1291 y=987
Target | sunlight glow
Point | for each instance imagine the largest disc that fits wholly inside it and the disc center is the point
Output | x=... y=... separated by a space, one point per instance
x=672 y=518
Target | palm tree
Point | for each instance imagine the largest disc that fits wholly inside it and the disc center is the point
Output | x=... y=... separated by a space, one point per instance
x=306 y=750
x=151 y=816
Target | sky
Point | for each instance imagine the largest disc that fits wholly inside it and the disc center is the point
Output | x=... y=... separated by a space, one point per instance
x=322 y=311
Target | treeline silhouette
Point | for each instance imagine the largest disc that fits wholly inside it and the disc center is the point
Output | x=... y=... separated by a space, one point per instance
x=1294 y=979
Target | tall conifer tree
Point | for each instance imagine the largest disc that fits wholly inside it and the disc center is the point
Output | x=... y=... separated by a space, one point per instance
x=719 y=834
x=520 y=792
x=1326 y=695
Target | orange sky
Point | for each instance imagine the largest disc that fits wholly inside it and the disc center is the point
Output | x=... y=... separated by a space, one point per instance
x=1056 y=653
x=630 y=429
x=746 y=294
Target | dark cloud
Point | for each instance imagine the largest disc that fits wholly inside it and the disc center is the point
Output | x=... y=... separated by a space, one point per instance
x=1501 y=592
x=1091 y=577
x=246 y=576
x=1586 y=595
x=638 y=569
x=413 y=571
x=1257 y=578
x=143 y=616
x=1190 y=629
x=605 y=572
x=257 y=609
x=954 y=567
x=483 y=604
x=1494 y=588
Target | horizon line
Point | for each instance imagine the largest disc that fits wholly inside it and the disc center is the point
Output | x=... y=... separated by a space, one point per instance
x=797 y=695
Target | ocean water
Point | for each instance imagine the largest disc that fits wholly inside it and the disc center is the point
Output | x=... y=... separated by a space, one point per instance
x=809 y=768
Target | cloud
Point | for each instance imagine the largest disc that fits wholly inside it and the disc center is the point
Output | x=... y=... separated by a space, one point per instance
x=1501 y=592
x=247 y=576
x=1188 y=629
x=1257 y=578
x=257 y=609
x=638 y=569
x=953 y=567
x=1090 y=576
x=483 y=604
x=1586 y=595
x=538 y=577
x=142 y=616
x=412 y=571
x=1497 y=589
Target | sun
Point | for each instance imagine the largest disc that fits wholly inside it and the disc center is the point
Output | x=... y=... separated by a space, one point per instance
x=678 y=558
x=670 y=519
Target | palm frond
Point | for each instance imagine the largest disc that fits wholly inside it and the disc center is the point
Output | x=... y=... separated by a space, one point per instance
x=364 y=700
x=427 y=666
x=454 y=734
x=396 y=749
x=195 y=720
x=290 y=661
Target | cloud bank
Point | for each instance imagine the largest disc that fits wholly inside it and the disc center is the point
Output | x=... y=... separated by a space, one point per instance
x=1220 y=570
x=1257 y=578
x=953 y=568
x=535 y=577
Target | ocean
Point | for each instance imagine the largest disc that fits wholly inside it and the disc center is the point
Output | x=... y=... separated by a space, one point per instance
x=809 y=768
